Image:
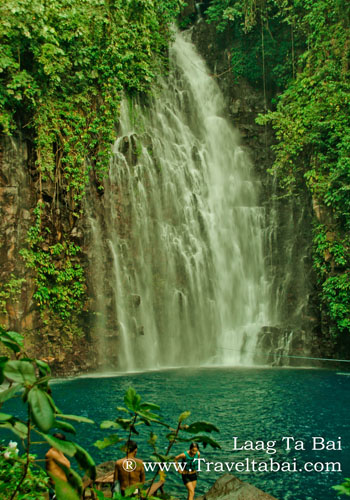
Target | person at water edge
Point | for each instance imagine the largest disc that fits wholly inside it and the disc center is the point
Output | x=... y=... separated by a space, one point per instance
x=189 y=473
x=128 y=470
x=54 y=459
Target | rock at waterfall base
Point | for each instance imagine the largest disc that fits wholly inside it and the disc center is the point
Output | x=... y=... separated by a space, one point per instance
x=229 y=487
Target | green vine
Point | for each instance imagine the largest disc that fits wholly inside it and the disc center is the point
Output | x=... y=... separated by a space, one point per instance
x=64 y=67
x=10 y=291
x=312 y=128
x=301 y=49
x=59 y=278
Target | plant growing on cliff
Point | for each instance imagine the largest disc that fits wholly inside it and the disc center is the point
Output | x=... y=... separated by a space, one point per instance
x=304 y=48
x=10 y=291
x=312 y=128
x=262 y=45
x=64 y=66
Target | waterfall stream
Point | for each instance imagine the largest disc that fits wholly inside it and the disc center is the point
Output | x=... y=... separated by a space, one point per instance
x=177 y=257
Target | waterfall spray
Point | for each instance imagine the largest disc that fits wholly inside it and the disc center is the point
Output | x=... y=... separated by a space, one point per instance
x=182 y=230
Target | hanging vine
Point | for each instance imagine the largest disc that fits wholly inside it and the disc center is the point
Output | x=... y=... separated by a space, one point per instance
x=64 y=66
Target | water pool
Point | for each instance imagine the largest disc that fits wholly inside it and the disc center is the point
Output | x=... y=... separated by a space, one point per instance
x=251 y=404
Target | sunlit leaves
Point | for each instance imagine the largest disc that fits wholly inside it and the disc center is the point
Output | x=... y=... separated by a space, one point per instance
x=184 y=415
x=108 y=441
x=132 y=399
x=64 y=66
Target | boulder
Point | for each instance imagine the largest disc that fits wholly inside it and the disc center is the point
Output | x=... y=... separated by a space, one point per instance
x=229 y=487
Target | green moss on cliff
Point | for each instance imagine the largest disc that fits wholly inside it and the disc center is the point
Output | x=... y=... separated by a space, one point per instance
x=64 y=66
x=302 y=48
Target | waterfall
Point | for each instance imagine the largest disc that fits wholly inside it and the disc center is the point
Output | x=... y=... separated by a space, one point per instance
x=177 y=258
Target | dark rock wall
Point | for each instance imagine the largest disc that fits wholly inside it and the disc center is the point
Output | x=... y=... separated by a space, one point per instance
x=288 y=235
x=296 y=329
x=54 y=340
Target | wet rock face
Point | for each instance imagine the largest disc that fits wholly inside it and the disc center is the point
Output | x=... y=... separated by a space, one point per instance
x=288 y=242
x=244 y=102
x=18 y=197
x=229 y=487
x=16 y=203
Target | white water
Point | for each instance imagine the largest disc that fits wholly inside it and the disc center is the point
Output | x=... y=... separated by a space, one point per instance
x=177 y=260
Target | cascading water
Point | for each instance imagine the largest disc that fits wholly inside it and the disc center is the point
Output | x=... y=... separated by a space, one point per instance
x=177 y=254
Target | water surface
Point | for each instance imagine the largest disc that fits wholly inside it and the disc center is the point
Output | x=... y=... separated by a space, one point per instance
x=253 y=404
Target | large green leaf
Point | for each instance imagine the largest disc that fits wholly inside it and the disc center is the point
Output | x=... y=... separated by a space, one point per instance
x=73 y=478
x=85 y=461
x=132 y=400
x=15 y=337
x=5 y=416
x=12 y=340
x=108 y=441
x=41 y=409
x=201 y=427
x=20 y=371
x=8 y=393
x=17 y=428
x=67 y=447
x=65 y=426
x=149 y=406
x=11 y=345
x=3 y=360
x=77 y=418
x=64 y=490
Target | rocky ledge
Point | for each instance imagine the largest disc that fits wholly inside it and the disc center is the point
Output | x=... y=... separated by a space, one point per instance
x=229 y=487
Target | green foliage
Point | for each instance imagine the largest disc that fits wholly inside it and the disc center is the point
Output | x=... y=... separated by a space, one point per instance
x=64 y=66
x=60 y=280
x=141 y=413
x=31 y=377
x=313 y=132
x=303 y=49
x=35 y=484
x=10 y=291
x=344 y=488
x=263 y=44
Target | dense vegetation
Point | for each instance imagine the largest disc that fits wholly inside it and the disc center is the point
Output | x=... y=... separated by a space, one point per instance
x=29 y=379
x=301 y=49
x=64 y=66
